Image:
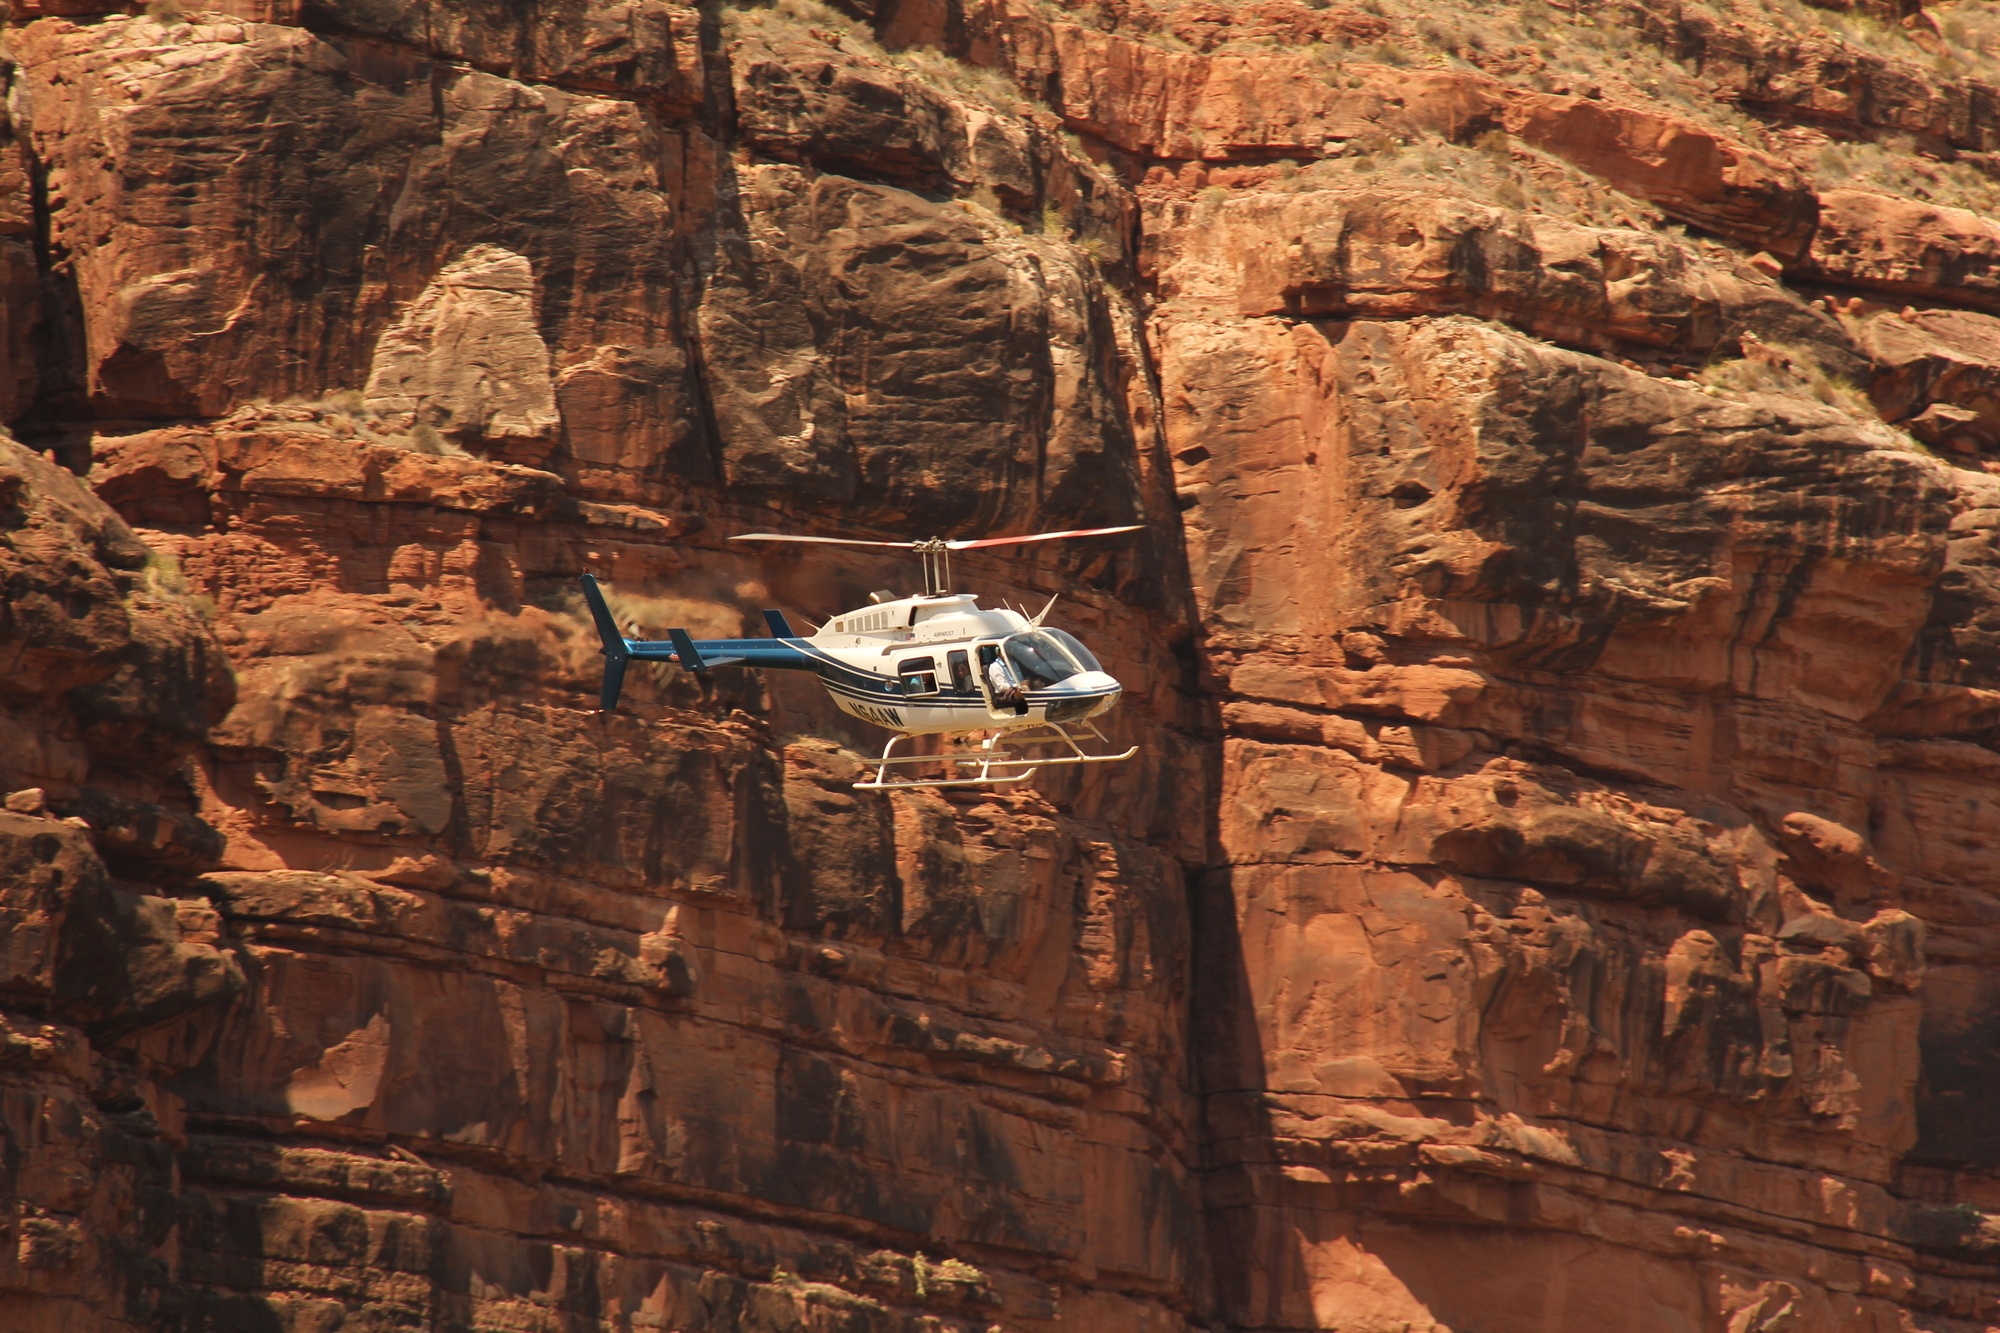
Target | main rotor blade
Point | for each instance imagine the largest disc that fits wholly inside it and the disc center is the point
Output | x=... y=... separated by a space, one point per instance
x=830 y=541
x=1040 y=537
x=949 y=546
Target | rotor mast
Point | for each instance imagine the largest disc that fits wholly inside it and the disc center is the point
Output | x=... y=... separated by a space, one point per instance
x=936 y=557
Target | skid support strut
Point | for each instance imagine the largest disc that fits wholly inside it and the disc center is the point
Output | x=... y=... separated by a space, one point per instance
x=989 y=764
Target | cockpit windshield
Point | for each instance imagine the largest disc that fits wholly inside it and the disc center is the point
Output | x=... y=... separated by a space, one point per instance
x=1078 y=653
x=1043 y=659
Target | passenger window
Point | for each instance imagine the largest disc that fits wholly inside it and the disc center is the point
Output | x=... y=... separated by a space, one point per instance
x=918 y=675
x=961 y=671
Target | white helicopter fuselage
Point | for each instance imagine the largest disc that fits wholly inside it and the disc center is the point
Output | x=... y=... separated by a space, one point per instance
x=925 y=666
x=933 y=665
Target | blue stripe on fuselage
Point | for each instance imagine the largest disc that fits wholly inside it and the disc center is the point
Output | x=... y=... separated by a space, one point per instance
x=912 y=701
x=971 y=702
x=833 y=671
x=836 y=675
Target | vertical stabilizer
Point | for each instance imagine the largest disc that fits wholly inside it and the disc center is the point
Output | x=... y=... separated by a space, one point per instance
x=617 y=652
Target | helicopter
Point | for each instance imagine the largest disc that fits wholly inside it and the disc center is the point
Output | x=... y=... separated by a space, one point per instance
x=990 y=681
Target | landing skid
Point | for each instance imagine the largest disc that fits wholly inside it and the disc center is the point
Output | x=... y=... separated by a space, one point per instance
x=994 y=767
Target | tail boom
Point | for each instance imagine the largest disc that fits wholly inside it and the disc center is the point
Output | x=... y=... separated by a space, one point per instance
x=681 y=649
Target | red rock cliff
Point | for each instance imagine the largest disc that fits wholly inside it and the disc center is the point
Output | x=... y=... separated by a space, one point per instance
x=1558 y=891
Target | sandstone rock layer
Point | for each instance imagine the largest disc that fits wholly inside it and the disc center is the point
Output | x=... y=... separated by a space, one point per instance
x=1556 y=891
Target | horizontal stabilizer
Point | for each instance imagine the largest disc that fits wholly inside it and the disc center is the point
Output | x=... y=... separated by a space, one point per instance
x=684 y=649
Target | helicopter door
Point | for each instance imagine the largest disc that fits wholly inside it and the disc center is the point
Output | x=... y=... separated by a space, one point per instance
x=989 y=654
x=918 y=676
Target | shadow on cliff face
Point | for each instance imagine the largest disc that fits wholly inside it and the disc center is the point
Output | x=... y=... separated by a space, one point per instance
x=43 y=386
x=1240 y=1141
x=111 y=675
x=1956 y=1120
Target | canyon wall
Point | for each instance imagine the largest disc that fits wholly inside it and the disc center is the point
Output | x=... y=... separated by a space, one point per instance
x=1556 y=891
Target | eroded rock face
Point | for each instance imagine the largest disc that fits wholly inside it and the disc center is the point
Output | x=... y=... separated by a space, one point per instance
x=1331 y=254
x=1447 y=829
x=825 y=388
x=1555 y=891
x=465 y=357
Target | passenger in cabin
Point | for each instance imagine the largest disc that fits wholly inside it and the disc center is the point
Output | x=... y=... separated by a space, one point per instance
x=1001 y=680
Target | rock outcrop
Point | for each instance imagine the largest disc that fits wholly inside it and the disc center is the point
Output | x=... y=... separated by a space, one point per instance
x=465 y=358
x=1556 y=890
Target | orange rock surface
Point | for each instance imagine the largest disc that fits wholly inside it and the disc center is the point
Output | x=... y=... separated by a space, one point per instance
x=1557 y=888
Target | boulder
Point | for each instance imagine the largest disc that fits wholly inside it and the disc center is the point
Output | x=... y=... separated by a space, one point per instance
x=1883 y=243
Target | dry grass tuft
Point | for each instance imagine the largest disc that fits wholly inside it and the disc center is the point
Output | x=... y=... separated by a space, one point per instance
x=1895 y=167
x=1789 y=371
x=344 y=414
x=1493 y=169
